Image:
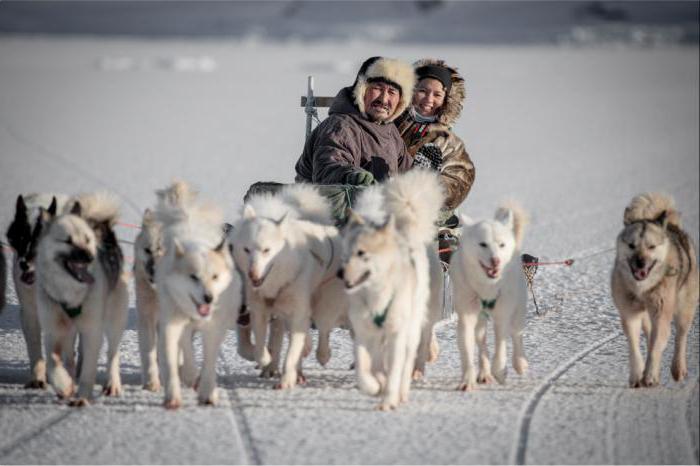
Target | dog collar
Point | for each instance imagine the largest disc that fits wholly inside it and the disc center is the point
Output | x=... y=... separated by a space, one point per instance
x=72 y=312
x=488 y=305
x=379 y=319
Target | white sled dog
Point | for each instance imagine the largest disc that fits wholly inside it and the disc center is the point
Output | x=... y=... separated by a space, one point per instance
x=289 y=251
x=197 y=289
x=23 y=235
x=488 y=283
x=654 y=280
x=81 y=288
x=386 y=274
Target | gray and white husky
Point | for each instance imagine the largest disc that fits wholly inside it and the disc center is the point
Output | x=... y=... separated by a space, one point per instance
x=489 y=284
x=196 y=286
x=81 y=288
x=386 y=272
x=289 y=251
x=654 y=281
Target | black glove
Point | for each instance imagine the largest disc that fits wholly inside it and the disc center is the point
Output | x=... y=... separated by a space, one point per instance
x=359 y=178
x=428 y=156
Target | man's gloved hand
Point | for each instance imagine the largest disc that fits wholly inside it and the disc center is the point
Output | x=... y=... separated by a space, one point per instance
x=428 y=156
x=359 y=178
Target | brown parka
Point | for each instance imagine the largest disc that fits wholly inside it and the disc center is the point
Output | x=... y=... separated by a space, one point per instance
x=457 y=171
x=347 y=141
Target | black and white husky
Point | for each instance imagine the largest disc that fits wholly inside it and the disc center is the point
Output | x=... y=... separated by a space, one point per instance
x=23 y=235
x=81 y=289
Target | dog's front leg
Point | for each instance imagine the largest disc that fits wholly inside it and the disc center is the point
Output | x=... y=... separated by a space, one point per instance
x=187 y=369
x=363 y=365
x=500 y=331
x=91 y=341
x=170 y=332
x=484 y=376
x=298 y=328
x=660 y=332
x=632 y=325
x=115 y=322
x=211 y=342
x=55 y=339
x=466 y=330
x=147 y=321
x=32 y=337
x=679 y=368
x=396 y=346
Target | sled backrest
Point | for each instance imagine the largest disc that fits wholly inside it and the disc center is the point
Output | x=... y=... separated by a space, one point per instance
x=311 y=103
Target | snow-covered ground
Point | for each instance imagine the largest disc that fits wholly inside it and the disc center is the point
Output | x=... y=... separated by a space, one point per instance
x=572 y=133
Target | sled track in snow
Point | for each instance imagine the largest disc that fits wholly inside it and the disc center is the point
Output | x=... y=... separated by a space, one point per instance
x=519 y=449
x=54 y=420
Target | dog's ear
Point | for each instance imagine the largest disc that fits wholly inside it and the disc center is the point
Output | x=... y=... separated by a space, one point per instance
x=662 y=219
x=221 y=246
x=626 y=220
x=353 y=218
x=248 y=212
x=148 y=217
x=505 y=216
x=53 y=208
x=389 y=224
x=466 y=220
x=76 y=209
x=179 y=250
x=20 y=208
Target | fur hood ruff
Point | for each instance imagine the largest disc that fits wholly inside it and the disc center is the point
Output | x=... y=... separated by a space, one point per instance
x=392 y=70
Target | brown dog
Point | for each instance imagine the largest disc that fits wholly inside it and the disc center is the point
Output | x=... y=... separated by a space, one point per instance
x=654 y=280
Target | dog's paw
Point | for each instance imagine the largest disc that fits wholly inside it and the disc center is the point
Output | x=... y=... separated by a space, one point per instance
x=500 y=376
x=79 y=402
x=152 y=386
x=484 y=378
x=112 y=389
x=210 y=400
x=301 y=378
x=386 y=406
x=265 y=359
x=520 y=365
x=65 y=392
x=172 y=404
x=635 y=381
x=417 y=374
x=651 y=380
x=35 y=385
x=269 y=372
x=466 y=387
x=679 y=371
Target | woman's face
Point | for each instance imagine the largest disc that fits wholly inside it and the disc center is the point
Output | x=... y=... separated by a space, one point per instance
x=428 y=96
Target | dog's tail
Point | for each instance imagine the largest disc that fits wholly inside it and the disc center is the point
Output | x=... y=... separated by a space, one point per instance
x=512 y=214
x=178 y=194
x=307 y=203
x=658 y=207
x=415 y=199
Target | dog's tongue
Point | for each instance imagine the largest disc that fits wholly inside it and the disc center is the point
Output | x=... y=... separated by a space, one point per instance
x=203 y=310
x=81 y=272
x=640 y=274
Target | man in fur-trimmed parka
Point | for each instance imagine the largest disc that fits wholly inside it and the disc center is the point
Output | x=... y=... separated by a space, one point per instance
x=358 y=143
x=426 y=128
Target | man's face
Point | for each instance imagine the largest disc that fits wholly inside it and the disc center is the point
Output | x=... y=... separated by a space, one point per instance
x=381 y=100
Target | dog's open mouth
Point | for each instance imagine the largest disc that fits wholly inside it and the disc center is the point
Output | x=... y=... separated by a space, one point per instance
x=491 y=272
x=202 y=309
x=78 y=269
x=257 y=282
x=640 y=273
x=360 y=281
x=28 y=277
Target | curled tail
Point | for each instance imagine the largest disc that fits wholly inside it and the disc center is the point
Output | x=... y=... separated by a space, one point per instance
x=513 y=215
x=307 y=203
x=657 y=207
x=415 y=199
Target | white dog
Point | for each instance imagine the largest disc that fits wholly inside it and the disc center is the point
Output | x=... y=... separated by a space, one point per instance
x=81 y=288
x=197 y=289
x=289 y=250
x=386 y=273
x=23 y=235
x=489 y=284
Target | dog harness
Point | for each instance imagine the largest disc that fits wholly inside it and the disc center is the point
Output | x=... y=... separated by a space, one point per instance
x=379 y=319
x=72 y=312
x=487 y=305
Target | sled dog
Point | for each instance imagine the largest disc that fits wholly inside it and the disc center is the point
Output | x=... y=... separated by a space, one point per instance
x=488 y=285
x=148 y=249
x=196 y=287
x=81 y=288
x=23 y=235
x=654 y=280
x=289 y=252
x=386 y=272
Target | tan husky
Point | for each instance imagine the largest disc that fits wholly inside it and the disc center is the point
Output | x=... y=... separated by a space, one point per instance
x=654 y=280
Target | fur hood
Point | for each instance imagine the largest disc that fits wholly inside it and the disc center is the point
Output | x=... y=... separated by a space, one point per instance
x=452 y=108
x=392 y=70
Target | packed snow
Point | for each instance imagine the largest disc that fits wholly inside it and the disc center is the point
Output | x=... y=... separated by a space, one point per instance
x=572 y=133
